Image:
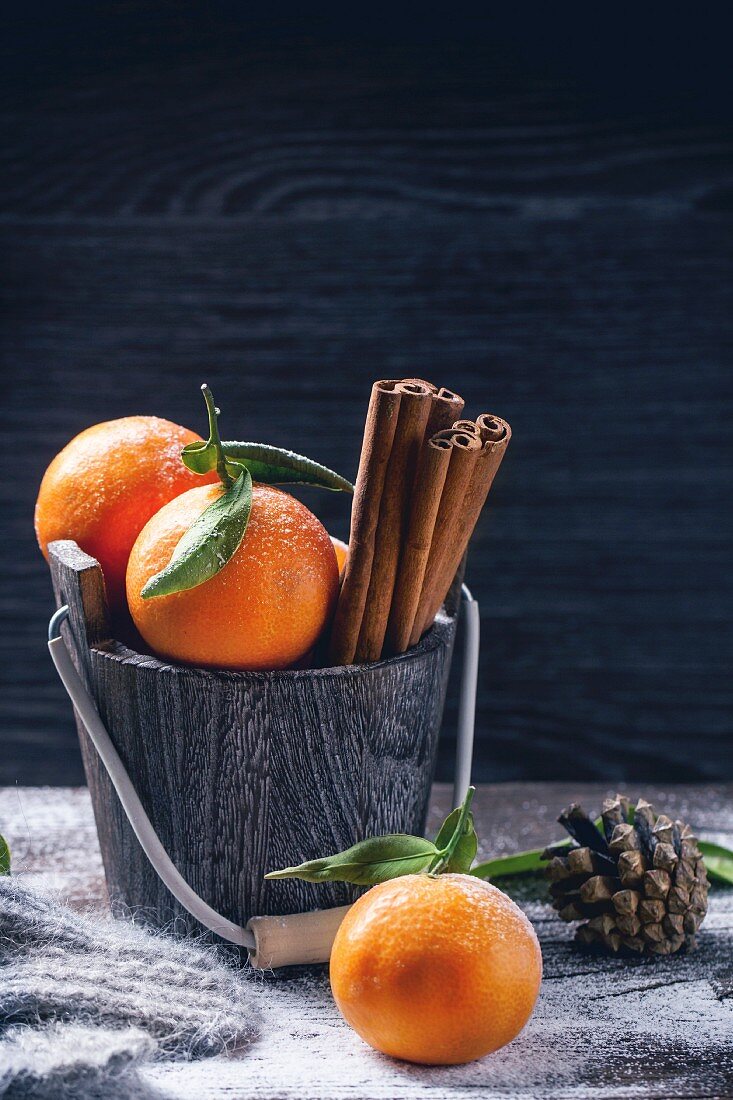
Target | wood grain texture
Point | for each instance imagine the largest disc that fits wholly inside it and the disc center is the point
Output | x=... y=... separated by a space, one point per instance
x=243 y=773
x=298 y=218
x=604 y=1028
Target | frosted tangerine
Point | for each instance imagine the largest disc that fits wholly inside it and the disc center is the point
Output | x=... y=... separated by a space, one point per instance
x=342 y=552
x=104 y=486
x=438 y=970
x=265 y=609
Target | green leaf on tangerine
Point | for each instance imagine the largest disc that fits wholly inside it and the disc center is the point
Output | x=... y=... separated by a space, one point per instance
x=208 y=544
x=199 y=457
x=465 y=850
x=275 y=466
x=4 y=857
x=203 y=457
x=365 y=864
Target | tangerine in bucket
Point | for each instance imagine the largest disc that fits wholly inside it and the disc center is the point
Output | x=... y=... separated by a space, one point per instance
x=265 y=609
x=105 y=485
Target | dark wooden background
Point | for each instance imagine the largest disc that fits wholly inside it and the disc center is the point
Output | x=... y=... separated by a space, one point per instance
x=537 y=214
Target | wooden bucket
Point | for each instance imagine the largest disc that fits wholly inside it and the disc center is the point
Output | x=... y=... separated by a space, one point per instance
x=244 y=772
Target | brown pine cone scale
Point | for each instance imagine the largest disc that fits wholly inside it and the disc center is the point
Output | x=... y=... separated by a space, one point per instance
x=638 y=883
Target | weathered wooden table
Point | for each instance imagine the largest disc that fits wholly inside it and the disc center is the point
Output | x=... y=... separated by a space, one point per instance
x=603 y=1027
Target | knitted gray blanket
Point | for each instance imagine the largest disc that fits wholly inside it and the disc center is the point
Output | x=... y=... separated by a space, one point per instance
x=85 y=1002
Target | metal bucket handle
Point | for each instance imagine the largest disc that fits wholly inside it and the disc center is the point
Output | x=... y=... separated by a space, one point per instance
x=252 y=936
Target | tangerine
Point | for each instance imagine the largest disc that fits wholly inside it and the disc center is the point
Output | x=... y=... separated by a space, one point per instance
x=265 y=609
x=437 y=970
x=342 y=552
x=104 y=486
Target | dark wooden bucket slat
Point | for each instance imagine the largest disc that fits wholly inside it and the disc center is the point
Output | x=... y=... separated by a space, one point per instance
x=245 y=772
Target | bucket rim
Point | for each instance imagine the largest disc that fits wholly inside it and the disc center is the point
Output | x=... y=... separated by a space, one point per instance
x=440 y=635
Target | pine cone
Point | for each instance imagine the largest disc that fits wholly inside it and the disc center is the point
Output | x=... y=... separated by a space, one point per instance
x=639 y=887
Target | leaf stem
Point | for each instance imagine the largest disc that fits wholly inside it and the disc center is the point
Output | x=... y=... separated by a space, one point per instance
x=215 y=439
x=445 y=855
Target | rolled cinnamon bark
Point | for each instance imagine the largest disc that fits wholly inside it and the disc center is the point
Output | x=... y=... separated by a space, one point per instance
x=416 y=398
x=379 y=432
x=495 y=435
x=418 y=494
x=446 y=408
x=429 y=481
x=469 y=426
x=465 y=450
x=493 y=429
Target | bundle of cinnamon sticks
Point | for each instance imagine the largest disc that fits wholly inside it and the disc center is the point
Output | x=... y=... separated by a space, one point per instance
x=424 y=476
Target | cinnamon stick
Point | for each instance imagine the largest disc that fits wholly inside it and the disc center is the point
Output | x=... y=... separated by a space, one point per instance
x=446 y=408
x=465 y=449
x=469 y=426
x=495 y=435
x=416 y=398
x=429 y=481
x=379 y=432
x=493 y=429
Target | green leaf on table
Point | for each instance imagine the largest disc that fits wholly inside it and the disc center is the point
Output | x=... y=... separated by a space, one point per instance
x=521 y=863
x=466 y=847
x=275 y=466
x=365 y=864
x=718 y=861
x=209 y=543
x=4 y=857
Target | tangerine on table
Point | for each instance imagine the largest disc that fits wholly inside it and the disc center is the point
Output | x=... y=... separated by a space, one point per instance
x=265 y=609
x=437 y=970
x=104 y=486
